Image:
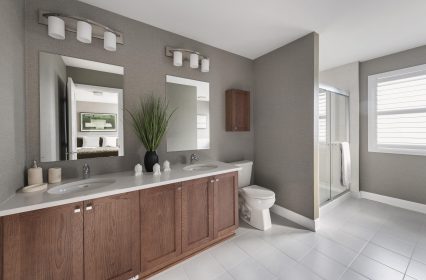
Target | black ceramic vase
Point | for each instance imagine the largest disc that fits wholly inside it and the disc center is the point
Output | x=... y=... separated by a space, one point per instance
x=150 y=159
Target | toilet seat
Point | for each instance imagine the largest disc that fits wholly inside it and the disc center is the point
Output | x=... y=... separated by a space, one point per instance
x=257 y=192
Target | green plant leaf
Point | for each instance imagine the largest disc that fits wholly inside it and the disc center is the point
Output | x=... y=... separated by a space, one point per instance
x=150 y=119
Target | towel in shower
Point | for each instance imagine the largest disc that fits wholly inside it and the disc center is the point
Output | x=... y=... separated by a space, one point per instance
x=346 y=164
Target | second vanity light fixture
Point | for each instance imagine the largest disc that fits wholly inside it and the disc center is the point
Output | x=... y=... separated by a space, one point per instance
x=194 y=57
x=57 y=23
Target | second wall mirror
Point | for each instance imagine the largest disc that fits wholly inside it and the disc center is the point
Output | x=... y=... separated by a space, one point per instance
x=189 y=127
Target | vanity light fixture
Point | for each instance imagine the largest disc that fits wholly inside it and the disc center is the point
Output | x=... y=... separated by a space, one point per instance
x=179 y=55
x=84 y=32
x=56 y=27
x=110 y=41
x=177 y=58
x=193 y=60
x=85 y=28
x=205 y=65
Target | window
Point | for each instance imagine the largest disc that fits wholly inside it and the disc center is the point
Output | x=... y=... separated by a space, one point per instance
x=397 y=111
x=322 y=127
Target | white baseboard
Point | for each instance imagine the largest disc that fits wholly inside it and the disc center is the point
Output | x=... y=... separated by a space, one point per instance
x=295 y=217
x=356 y=194
x=409 y=205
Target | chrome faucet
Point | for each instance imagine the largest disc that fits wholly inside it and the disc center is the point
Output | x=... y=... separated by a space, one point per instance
x=86 y=171
x=194 y=157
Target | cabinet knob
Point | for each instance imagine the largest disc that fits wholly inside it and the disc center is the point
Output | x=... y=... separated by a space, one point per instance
x=211 y=181
x=179 y=188
x=77 y=209
x=217 y=180
x=89 y=207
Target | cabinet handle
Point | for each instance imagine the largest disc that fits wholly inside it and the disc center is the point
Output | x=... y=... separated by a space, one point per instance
x=179 y=188
x=77 y=209
x=89 y=207
x=211 y=181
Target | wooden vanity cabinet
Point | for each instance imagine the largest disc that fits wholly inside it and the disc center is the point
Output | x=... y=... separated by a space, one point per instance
x=225 y=204
x=97 y=239
x=112 y=237
x=121 y=236
x=44 y=244
x=160 y=227
x=237 y=110
x=197 y=213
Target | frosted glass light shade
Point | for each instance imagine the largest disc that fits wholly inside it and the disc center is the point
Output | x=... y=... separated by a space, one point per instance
x=110 y=41
x=56 y=27
x=177 y=58
x=193 y=60
x=205 y=65
x=84 y=32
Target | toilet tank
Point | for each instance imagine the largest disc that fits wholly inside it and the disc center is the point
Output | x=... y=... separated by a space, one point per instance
x=244 y=175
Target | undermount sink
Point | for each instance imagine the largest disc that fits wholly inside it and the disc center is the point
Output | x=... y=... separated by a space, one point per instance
x=82 y=185
x=200 y=167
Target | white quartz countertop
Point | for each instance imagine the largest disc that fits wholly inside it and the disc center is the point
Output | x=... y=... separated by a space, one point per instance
x=124 y=182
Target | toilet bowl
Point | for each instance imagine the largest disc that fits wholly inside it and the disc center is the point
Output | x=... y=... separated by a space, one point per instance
x=254 y=201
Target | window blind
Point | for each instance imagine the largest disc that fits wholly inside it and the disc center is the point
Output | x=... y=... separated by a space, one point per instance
x=322 y=112
x=399 y=116
x=401 y=112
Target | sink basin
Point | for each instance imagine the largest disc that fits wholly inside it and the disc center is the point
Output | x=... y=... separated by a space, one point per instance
x=200 y=167
x=82 y=185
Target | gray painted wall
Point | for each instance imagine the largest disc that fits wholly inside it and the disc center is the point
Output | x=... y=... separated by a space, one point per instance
x=146 y=68
x=95 y=78
x=285 y=121
x=400 y=176
x=12 y=114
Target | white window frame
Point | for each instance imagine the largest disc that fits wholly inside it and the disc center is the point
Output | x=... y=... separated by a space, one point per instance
x=372 y=111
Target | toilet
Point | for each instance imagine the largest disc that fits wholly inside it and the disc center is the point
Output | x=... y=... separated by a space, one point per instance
x=254 y=201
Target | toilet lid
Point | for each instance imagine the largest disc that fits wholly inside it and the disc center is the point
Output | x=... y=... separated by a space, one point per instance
x=257 y=192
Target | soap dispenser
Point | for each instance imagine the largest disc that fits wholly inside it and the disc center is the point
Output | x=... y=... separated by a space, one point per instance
x=35 y=174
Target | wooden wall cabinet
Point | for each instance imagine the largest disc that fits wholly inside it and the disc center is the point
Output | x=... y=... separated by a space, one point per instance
x=237 y=110
x=160 y=227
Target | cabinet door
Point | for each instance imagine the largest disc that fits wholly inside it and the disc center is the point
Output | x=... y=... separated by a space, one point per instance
x=45 y=244
x=225 y=204
x=237 y=110
x=197 y=213
x=160 y=226
x=111 y=237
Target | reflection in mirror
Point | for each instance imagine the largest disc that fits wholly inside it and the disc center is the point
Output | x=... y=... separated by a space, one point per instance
x=189 y=128
x=81 y=108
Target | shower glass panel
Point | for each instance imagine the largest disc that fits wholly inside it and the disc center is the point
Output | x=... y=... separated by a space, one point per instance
x=333 y=131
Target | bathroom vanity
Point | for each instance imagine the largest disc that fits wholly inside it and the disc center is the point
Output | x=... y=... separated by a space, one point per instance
x=133 y=226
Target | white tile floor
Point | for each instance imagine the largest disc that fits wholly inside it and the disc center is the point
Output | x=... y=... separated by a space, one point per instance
x=357 y=240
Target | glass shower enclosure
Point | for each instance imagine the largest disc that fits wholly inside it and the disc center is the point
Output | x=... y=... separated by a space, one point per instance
x=333 y=132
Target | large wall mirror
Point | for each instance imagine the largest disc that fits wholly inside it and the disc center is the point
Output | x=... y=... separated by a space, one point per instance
x=81 y=108
x=189 y=127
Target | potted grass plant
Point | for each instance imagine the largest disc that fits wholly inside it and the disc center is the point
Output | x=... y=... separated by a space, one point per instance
x=150 y=120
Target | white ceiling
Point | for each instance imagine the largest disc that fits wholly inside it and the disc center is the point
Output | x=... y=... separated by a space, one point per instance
x=350 y=30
